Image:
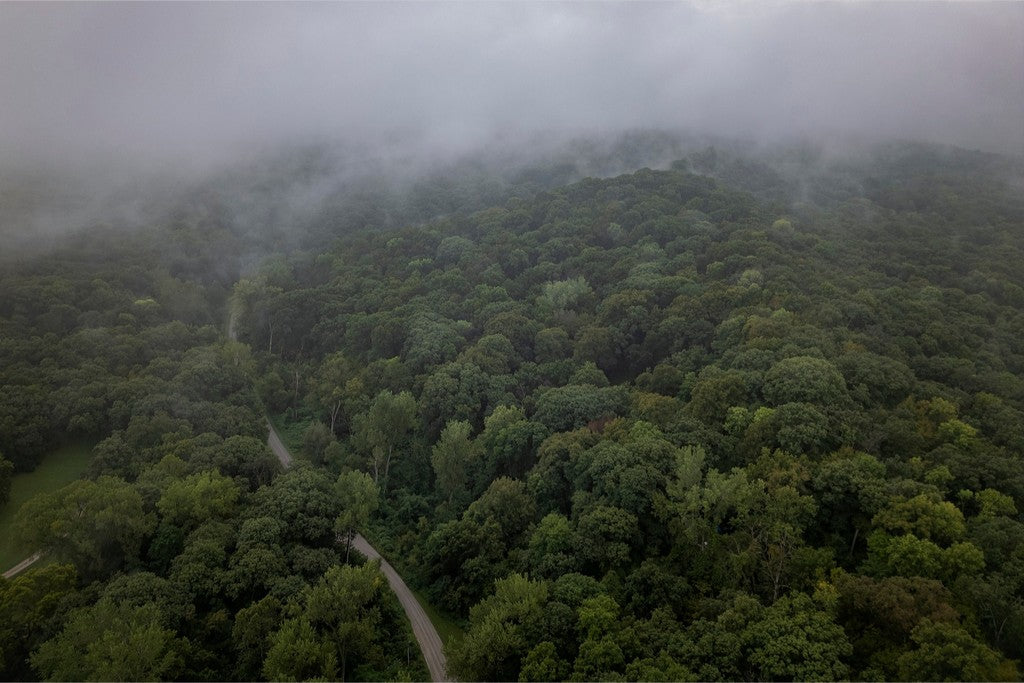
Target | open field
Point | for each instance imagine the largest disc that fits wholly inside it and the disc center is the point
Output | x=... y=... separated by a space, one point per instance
x=60 y=467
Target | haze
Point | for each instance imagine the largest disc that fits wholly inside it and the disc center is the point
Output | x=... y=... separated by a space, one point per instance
x=166 y=84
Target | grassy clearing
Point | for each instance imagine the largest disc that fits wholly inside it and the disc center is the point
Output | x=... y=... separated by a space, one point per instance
x=291 y=434
x=447 y=628
x=60 y=467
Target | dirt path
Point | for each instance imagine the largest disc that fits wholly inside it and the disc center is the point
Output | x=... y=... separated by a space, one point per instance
x=22 y=566
x=422 y=628
x=277 y=446
x=426 y=635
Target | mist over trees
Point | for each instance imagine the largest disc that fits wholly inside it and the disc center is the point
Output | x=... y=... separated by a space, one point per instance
x=659 y=404
x=646 y=342
x=645 y=423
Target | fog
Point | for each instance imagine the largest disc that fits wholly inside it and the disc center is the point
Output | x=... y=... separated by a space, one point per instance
x=183 y=85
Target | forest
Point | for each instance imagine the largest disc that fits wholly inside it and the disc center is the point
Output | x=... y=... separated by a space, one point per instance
x=755 y=415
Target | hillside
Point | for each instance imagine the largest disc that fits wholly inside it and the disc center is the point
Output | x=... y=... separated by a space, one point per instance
x=643 y=426
x=757 y=415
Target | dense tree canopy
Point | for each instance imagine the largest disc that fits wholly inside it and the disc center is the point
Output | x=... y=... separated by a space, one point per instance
x=760 y=422
x=712 y=400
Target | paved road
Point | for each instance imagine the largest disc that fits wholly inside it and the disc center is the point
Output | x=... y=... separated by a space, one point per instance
x=422 y=628
x=22 y=566
x=426 y=635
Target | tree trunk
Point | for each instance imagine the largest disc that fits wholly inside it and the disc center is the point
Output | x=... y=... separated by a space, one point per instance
x=334 y=415
x=295 y=394
x=387 y=469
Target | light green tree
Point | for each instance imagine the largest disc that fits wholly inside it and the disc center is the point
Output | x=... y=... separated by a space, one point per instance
x=359 y=497
x=451 y=457
x=97 y=525
x=315 y=440
x=331 y=386
x=189 y=502
x=111 y=642
x=502 y=628
x=382 y=429
x=946 y=652
x=298 y=653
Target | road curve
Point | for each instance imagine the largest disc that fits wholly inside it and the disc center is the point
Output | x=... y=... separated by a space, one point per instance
x=426 y=635
x=422 y=628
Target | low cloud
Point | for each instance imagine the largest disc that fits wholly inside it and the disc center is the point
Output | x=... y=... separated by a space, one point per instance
x=112 y=84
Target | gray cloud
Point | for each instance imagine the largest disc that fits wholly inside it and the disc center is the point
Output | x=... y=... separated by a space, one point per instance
x=182 y=82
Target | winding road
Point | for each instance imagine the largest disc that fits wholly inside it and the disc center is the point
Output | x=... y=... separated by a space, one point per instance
x=422 y=628
x=426 y=635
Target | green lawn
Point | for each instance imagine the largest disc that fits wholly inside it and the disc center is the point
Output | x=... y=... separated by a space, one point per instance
x=60 y=467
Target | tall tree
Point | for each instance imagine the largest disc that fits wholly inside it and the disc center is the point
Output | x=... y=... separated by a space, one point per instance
x=332 y=385
x=111 y=642
x=97 y=525
x=382 y=429
x=359 y=498
x=451 y=458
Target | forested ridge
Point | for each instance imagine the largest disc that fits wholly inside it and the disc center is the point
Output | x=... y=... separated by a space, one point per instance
x=654 y=426
x=756 y=416
x=186 y=554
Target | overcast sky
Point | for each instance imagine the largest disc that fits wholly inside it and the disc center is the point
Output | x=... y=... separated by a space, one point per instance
x=179 y=81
